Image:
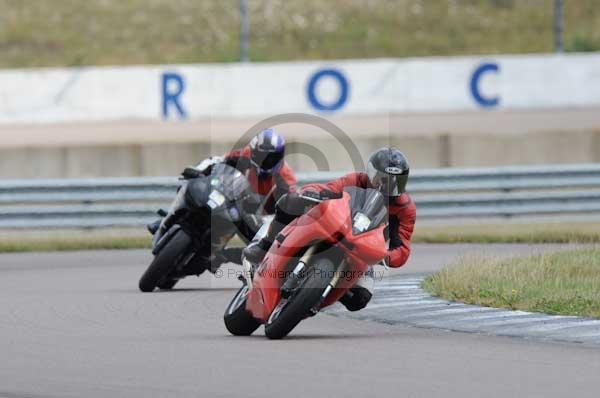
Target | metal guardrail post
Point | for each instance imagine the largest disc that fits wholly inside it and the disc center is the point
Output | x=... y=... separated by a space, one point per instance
x=559 y=8
x=244 y=31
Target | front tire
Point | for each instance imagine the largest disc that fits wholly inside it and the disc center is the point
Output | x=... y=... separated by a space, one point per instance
x=164 y=261
x=238 y=321
x=168 y=284
x=287 y=315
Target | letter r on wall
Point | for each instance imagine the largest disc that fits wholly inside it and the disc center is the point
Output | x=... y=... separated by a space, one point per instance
x=173 y=86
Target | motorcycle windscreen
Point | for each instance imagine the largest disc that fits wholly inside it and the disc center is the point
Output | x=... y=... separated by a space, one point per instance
x=368 y=209
x=229 y=181
x=229 y=188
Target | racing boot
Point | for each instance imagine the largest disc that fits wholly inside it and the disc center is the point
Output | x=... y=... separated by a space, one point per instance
x=288 y=207
x=359 y=296
x=256 y=251
x=264 y=238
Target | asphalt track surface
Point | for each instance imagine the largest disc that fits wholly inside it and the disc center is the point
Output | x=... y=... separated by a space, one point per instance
x=74 y=325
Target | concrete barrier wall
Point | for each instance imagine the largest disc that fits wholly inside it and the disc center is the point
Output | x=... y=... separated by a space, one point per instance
x=460 y=111
x=352 y=87
x=424 y=151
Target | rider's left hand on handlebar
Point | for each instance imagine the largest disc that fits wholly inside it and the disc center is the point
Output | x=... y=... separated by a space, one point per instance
x=323 y=195
x=311 y=194
x=327 y=194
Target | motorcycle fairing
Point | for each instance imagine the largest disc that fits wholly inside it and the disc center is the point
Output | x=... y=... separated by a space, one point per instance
x=328 y=222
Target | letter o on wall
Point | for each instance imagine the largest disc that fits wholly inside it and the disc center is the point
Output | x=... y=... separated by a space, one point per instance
x=311 y=90
x=486 y=102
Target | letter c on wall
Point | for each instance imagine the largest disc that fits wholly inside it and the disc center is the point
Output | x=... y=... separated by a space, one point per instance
x=486 y=102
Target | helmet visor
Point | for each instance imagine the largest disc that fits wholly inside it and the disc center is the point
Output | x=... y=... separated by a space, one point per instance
x=387 y=183
x=266 y=160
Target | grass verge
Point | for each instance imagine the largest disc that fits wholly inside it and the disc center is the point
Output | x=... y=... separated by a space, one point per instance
x=565 y=283
x=68 y=32
x=510 y=233
x=70 y=243
x=139 y=239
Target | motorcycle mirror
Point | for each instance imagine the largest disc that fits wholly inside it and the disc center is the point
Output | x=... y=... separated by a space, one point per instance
x=191 y=172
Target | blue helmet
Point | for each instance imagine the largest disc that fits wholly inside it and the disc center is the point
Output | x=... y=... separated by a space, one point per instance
x=266 y=152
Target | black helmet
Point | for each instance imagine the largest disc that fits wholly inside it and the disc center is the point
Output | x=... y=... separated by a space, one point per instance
x=388 y=171
x=266 y=152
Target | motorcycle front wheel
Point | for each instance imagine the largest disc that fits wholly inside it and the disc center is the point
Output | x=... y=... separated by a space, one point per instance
x=288 y=314
x=168 y=285
x=238 y=321
x=164 y=262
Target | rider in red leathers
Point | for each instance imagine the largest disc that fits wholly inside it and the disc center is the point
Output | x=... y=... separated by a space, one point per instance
x=261 y=161
x=388 y=172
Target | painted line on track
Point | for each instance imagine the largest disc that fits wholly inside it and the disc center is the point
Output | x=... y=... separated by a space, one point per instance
x=399 y=300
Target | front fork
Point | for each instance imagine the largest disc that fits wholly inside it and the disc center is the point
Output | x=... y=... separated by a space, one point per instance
x=290 y=283
x=294 y=279
x=332 y=284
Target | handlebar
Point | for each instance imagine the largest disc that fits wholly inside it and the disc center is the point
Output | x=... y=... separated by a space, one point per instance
x=318 y=197
x=310 y=198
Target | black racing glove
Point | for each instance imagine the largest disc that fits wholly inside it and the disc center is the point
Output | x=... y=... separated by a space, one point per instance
x=312 y=195
x=327 y=194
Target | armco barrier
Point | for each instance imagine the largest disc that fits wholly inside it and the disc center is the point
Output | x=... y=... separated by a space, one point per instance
x=439 y=193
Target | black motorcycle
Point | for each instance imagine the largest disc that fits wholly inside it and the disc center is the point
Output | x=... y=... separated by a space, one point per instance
x=206 y=213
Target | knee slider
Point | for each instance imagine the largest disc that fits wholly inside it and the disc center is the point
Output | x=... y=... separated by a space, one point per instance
x=359 y=299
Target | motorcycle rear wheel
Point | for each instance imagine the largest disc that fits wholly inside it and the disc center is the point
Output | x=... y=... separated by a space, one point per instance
x=238 y=321
x=285 y=318
x=165 y=261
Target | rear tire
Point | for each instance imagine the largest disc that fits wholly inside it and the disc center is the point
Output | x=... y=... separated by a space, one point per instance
x=164 y=261
x=238 y=321
x=302 y=301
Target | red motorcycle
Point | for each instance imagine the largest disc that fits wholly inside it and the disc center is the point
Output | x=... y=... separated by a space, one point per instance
x=311 y=264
